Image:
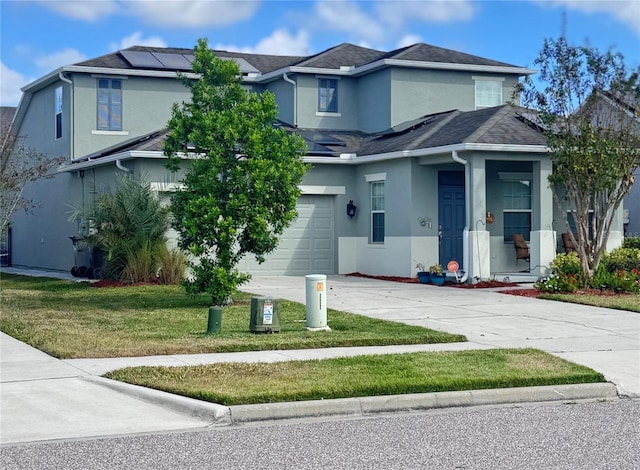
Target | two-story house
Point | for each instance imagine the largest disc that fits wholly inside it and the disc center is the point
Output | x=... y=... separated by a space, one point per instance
x=420 y=139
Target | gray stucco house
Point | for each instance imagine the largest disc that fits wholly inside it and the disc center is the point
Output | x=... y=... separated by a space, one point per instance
x=421 y=139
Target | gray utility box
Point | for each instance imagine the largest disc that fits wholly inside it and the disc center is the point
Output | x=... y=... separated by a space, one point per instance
x=265 y=315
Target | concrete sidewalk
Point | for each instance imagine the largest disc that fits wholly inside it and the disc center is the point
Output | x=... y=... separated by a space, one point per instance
x=44 y=398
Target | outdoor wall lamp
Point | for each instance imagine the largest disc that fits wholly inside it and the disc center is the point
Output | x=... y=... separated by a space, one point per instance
x=351 y=209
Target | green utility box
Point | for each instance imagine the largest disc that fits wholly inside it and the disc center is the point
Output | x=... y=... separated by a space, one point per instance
x=265 y=315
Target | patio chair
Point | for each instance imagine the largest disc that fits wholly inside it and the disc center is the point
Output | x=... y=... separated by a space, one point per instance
x=521 y=247
x=568 y=244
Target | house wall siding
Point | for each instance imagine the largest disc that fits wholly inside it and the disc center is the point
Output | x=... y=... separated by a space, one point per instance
x=415 y=93
x=347 y=116
x=146 y=107
x=374 y=101
x=284 y=94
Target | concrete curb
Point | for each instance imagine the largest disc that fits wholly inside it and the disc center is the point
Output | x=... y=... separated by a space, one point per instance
x=361 y=406
x=420 y=401
x=207 y=411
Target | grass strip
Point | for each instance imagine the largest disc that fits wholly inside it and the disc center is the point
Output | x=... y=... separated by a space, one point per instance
x=240 y=383
x=74 y=320
x=629 y=302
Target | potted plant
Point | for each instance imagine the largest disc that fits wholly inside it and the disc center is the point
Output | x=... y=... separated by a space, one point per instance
x=424 y=276
x=437 y=276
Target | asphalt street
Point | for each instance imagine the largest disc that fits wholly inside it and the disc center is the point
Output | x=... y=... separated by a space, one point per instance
x=596 y=435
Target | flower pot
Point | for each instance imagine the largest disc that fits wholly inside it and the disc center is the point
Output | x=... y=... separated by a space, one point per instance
x=438 y=279
x=424 y=277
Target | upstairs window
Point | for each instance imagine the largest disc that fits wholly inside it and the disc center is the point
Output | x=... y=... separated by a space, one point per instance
x=488 y=92
x=109 y=104
x=516 y=200
x=58 y=112
x=327 y=95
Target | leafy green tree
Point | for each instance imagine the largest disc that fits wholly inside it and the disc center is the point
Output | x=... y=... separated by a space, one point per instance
x=241 y=190
x=583 y=98
x=130 y=225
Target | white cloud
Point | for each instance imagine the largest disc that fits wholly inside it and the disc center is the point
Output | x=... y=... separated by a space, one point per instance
x=192 y=13
x=408 y=40
x=173 y=13
x=387 y=19
x=88 y=10
x=280 y=42
x=398 y=13
x=58 y=59
x=347 y=16
x=625 y=11
x=10 y=84
x=136 y=39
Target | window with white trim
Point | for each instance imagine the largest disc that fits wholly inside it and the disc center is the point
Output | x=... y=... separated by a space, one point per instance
x=109 y=104
x=58 y=112
x=327 y=95
x=377 y=211
x=516 y=208
x=572 y=223
x=488 y=92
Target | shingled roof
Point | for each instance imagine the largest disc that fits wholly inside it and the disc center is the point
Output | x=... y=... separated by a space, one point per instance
x=333 y=58
x=428 y=53
x=501 y=125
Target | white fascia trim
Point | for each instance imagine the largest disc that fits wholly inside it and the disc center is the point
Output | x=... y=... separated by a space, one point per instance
x=444 y=66
x=43 y=81
x=307 y=70
x=318 y=189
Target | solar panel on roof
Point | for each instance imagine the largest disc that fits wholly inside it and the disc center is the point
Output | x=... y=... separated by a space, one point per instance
x=320 y=138
x=245 y=67
x=142 y=59
x=173 y=61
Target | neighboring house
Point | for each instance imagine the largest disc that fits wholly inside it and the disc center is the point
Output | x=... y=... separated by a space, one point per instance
x=421 y=139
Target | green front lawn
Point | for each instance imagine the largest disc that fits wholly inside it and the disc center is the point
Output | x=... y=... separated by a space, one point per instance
x=74 y=320
x=629 y=302
x=236 y=384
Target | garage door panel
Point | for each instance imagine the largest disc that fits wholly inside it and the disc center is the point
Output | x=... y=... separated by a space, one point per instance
x=307 y=246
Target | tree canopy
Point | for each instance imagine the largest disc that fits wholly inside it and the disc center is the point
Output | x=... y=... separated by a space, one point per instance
x=241 y=189
x=587 y=104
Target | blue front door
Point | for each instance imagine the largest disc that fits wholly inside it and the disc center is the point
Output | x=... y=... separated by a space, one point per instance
x=451 y=216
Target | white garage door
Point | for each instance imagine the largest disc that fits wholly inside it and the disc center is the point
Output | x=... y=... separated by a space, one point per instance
x=306 y=247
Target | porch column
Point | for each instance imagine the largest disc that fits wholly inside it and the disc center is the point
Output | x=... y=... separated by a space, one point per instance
x=479 y=239
x=543 y=239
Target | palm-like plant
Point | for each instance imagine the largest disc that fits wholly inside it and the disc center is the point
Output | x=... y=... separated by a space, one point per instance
x=131 y=225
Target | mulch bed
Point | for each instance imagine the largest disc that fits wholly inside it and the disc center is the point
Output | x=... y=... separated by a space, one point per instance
x=414 y=280
x=113 y=283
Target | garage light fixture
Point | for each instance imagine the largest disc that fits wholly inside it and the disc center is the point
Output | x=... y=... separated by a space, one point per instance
x=351 y=209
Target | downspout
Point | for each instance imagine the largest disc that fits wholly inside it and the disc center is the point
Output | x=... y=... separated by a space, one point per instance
x=120 y=167
x=286 y=78
x=71 y=118
x=467 y=209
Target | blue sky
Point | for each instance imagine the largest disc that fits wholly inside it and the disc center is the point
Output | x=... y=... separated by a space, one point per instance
x=39 y=36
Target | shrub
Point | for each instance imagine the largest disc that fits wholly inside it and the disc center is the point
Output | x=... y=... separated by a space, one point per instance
x=631 y=242
x=141 y=264
x=567 y=264
x=618 y=281
x=622 y=259
x=172 y=266
x=558 y=283
x=566 y=274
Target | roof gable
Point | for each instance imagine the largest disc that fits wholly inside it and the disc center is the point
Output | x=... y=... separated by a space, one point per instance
x=427 y=53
